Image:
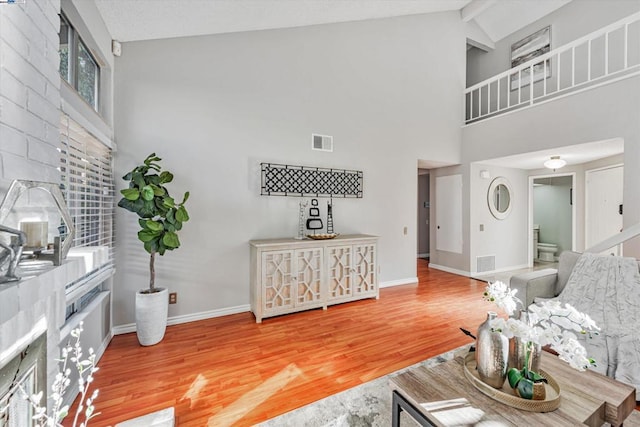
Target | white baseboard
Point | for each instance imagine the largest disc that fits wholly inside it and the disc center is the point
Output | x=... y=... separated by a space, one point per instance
x=176 y=320
x=424 y=255
x=103 y=346
x=502 y=270
x=390 y=283
x=450 y=270
x=513 y=267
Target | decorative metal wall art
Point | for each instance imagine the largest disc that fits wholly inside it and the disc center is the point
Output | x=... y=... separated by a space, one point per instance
x=314 y=222
x=330 y=217
x=300 y=181
x=301 y=207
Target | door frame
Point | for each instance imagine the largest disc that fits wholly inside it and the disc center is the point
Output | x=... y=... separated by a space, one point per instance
x=418 y=205
x=574 y=227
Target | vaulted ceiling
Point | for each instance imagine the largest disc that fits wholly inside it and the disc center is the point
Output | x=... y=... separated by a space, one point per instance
x=129 y=20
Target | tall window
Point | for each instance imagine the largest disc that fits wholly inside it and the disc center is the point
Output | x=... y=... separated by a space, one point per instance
x=86 y=167
x=87 y=177
x=77 y=65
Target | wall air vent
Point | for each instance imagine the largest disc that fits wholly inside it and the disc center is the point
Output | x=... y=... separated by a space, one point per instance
x=321 y=142
x=485 y=263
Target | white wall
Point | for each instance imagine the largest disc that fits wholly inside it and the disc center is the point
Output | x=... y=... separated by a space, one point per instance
x=29 y=92
x=505 y=238
x=607 y=112
x=599 y=114
x=214 y=107
x=570 y=22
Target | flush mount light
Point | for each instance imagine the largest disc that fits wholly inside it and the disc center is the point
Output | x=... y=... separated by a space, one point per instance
x=555 y=162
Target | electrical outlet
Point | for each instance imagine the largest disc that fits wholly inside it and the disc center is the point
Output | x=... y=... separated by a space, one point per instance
x=173 y=297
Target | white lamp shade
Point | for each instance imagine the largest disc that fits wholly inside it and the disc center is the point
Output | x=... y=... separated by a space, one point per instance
x=555 y=162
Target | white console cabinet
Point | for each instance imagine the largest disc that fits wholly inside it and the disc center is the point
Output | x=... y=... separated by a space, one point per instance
x=289 y=275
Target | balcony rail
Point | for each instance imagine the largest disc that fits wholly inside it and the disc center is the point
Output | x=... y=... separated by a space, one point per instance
x=617 y=239
x=602 y=57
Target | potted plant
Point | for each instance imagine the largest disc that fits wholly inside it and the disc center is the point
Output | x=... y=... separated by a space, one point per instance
x=547 y=323
x=160 y=219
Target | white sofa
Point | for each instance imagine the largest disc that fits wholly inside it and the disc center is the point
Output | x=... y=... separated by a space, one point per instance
x=607 y=289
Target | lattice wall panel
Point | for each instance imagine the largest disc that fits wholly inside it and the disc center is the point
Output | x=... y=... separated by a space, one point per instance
x=340 y=272
x=287 y=180
x=309 y=274
x=277 y=275
x=365 y=262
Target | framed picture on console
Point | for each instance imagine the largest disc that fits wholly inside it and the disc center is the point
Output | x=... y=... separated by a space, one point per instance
x=530 y=47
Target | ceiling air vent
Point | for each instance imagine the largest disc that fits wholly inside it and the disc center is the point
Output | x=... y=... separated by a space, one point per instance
x=321 y=142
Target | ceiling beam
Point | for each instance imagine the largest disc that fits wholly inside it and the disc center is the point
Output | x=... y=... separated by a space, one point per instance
x=475 y=8
x=478 y=38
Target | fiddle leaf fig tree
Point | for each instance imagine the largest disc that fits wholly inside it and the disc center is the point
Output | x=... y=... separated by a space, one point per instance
x=160 y=216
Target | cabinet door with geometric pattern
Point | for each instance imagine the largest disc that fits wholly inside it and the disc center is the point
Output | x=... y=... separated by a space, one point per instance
x=340 y=282
x=364 y=269
x=277 y=280
x=308 y=277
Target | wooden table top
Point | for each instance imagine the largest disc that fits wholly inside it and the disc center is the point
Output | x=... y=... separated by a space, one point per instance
x=587 y=398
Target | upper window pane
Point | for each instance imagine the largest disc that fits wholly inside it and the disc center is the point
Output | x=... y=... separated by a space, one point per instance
x=87 y=76
x=65 y=70
x=77 y=65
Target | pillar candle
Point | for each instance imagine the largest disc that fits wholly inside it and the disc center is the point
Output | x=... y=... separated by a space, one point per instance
x=37 y=233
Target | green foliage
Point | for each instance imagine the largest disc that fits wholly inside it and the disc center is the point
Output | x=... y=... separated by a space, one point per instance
x=160 y=216
x=523 y=380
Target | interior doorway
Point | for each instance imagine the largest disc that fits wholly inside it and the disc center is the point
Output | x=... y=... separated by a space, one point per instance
x=552 y=217
x=423 y=213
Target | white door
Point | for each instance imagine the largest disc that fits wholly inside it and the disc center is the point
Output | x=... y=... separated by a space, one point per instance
x=449 y=213
x=602 y=206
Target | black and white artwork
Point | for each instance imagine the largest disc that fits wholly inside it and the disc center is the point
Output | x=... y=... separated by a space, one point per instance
x=528 y=48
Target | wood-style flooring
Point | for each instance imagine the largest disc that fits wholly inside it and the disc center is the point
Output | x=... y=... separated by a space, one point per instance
x=232 y=371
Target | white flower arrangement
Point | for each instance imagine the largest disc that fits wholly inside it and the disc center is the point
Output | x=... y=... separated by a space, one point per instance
x=550 y=324
x=86 y=368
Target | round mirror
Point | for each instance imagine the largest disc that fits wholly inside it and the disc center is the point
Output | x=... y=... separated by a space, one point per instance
x=499 y=197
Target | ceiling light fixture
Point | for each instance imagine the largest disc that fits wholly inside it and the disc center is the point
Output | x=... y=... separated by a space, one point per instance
x=555 y=162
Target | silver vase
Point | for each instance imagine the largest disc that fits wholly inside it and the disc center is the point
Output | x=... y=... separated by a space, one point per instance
x=518 y=350
x=492 y=354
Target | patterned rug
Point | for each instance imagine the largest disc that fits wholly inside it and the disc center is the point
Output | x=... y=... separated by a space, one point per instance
x=368 y=404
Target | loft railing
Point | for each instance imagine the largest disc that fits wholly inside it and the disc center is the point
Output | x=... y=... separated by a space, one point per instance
x=617 y=239
x=604 y=56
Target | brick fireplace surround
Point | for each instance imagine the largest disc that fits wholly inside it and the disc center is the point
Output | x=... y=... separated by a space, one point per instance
x=34 y=303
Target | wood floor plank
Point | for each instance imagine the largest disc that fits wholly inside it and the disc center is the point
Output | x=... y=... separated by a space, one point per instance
x=232 y=371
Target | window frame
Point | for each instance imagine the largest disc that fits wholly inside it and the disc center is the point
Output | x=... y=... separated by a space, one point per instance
x=89 y=189
x=73 y=57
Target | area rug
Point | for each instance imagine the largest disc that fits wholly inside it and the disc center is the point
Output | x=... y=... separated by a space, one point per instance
x=368 y=404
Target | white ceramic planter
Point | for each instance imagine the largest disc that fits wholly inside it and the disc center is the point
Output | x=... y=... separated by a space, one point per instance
x=151 y=316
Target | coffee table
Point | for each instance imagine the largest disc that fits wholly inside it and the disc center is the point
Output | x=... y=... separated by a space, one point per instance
x=587 y=398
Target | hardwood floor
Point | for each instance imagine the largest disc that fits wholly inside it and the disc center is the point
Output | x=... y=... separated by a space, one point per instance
x=232 y=371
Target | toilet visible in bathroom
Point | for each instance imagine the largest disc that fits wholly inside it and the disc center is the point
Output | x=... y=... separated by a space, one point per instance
x=547 y=251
